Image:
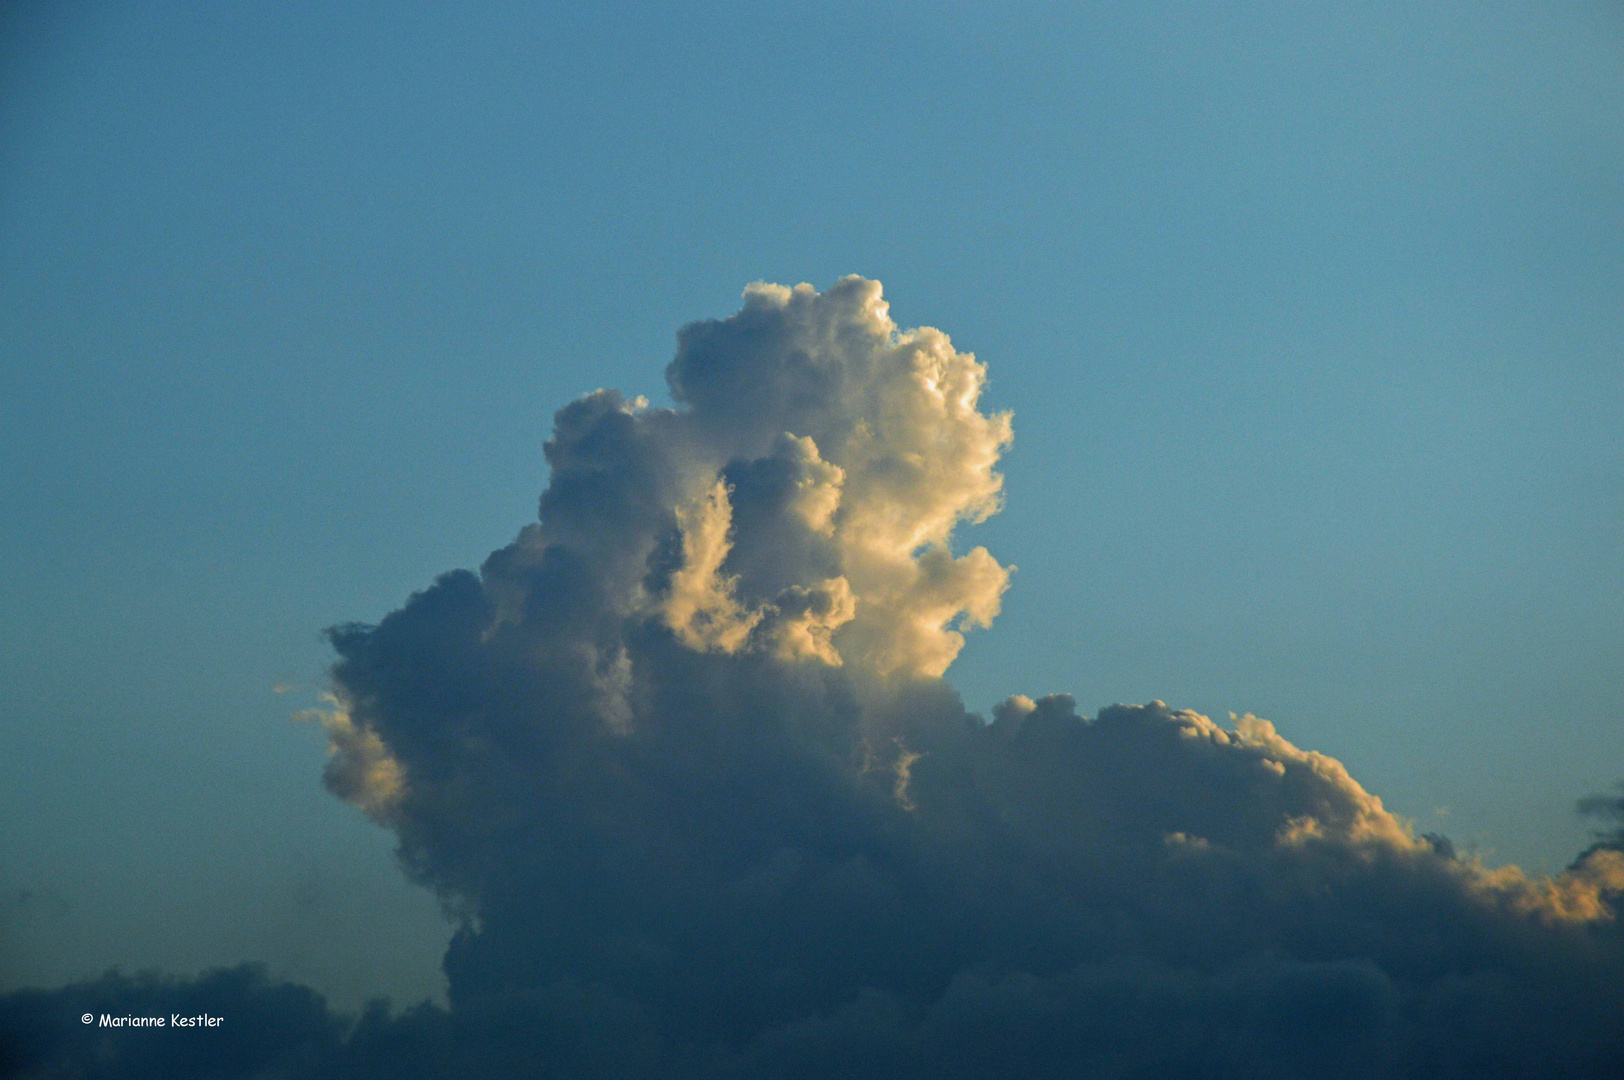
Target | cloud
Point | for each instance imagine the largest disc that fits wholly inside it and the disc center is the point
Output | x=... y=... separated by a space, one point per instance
x=360 y=769
x=850 y=451
x=269 y=1029
x=681 y=761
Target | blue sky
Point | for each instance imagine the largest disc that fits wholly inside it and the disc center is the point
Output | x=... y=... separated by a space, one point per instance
x=1308 y=316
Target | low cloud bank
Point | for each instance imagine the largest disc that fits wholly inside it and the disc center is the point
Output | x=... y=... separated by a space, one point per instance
x=682 y=763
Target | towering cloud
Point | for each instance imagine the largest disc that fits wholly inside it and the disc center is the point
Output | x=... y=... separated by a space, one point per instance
x=682 y=762
x=692 y=699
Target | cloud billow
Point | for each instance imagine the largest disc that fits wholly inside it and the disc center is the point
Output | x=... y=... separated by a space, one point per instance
x=682 y=762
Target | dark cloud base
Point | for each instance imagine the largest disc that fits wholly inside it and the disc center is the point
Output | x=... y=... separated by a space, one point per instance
x=680 y=763
x=854 y=940
x=1511 y=1012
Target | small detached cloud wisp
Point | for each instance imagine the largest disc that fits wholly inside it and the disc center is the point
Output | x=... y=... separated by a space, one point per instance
x=682 y=762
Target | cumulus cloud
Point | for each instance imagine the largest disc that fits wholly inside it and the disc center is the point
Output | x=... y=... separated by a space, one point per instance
x=269 y=1028
x=852 y=450
x=681 y=761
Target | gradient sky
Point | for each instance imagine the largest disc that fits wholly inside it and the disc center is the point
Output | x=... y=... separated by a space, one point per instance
x=1309 y=316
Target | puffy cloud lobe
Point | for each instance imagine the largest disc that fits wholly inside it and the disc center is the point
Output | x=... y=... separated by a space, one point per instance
x=897 y=454
x=1607 y=807
x=681 y=761
x=360 y=770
